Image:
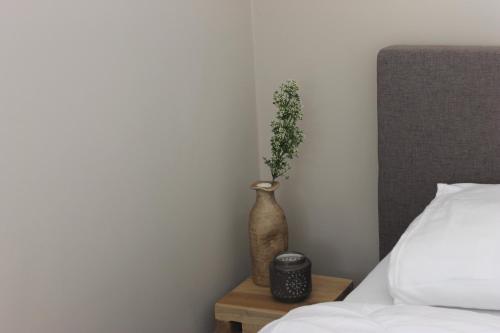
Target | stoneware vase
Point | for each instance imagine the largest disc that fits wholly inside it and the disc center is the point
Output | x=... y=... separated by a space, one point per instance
x=268 y=231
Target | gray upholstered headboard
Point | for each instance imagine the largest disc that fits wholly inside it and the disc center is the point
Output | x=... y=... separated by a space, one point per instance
x=439 y=121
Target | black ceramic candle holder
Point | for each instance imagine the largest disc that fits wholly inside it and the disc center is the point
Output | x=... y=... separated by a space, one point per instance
x=290 y=274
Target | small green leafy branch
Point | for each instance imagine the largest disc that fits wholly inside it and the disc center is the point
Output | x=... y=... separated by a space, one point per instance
x=287 y=136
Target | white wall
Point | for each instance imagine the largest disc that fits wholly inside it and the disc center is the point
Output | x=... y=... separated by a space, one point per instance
x=127 y=140
x=330 y=47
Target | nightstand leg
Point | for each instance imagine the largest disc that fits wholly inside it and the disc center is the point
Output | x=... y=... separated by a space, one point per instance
x=222 y=326
x=251 y=328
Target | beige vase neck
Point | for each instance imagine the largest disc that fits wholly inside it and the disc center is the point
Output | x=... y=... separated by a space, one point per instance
x=265 y=197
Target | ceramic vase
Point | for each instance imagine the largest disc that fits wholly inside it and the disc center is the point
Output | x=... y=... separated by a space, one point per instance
x=268 y=231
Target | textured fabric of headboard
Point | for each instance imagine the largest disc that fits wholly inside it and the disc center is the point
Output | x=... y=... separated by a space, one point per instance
x=439 y=121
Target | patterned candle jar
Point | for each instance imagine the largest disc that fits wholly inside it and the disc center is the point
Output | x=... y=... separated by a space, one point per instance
x=290 y=274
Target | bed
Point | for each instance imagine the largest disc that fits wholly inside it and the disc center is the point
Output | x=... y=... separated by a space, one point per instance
x=438 y=121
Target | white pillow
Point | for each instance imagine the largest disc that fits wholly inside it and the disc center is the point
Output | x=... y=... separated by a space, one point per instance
x=450 y=254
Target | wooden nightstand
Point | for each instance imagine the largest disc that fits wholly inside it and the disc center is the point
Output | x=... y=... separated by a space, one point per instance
x=249 y=307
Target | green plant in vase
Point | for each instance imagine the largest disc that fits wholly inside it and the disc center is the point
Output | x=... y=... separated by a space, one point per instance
x=286 y=135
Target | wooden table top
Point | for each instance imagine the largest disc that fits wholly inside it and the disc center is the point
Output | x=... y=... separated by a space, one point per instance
x=250 y=297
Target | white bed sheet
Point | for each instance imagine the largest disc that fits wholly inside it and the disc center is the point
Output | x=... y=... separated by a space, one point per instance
x=374 y=289
x=341 y=317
